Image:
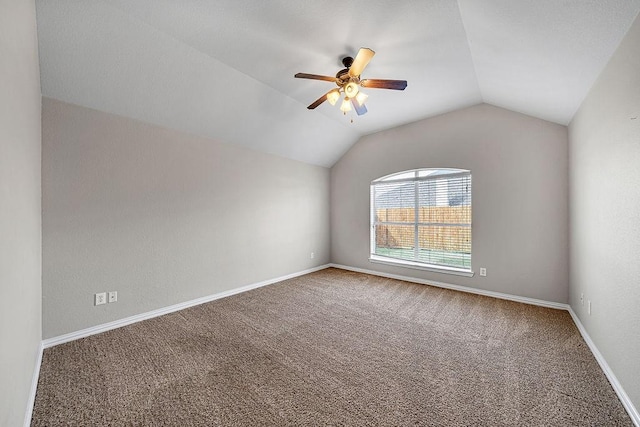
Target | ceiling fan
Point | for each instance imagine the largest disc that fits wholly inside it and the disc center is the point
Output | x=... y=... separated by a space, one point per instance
x=349 y=83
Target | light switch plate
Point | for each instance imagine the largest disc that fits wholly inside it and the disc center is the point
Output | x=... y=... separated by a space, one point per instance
x=101 y=298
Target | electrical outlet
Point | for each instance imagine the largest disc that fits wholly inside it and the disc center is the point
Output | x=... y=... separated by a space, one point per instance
x=582 y=298
x=483 y=271
x=113 y=296
x=101 y=298
x=313 y=255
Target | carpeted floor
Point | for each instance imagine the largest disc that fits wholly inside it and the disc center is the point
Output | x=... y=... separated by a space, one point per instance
x=333 y=348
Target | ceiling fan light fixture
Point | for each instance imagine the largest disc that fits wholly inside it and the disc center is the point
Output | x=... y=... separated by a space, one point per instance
x=333 y=96
x=346 y=105
x=351 y=89
x=361 y=97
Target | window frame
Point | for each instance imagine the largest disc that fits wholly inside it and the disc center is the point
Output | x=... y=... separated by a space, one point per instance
x=380 y=259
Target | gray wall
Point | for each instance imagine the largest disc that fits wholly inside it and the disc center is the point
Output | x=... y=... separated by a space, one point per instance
x=604 y=146
x=164 y=217
x=20 y=231
x=520 y=193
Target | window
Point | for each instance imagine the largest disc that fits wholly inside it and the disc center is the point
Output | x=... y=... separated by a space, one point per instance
x=422 y=219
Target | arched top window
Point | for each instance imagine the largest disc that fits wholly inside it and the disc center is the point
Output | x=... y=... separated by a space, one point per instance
x=421 y=218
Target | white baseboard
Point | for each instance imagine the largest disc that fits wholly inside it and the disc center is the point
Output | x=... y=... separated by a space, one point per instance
x=34 y=387
x=525 y=300
x=617 y=387
x=50 y=342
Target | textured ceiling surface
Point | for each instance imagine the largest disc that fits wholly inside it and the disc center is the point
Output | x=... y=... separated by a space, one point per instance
x=224 y=69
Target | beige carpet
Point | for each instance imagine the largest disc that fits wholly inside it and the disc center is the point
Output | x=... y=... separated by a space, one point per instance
x=333 y=348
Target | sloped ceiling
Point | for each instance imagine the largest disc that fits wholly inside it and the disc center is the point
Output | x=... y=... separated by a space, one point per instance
x=224 y=69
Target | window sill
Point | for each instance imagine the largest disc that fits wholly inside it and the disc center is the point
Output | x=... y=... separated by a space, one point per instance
x=420 y=266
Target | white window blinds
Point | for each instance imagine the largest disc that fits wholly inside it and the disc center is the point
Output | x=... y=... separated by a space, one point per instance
x=423 y=216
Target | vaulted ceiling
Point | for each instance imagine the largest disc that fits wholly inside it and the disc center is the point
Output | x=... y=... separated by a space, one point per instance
x=224 y=69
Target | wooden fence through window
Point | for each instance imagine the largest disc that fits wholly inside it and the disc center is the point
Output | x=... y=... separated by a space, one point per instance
x=447 y=238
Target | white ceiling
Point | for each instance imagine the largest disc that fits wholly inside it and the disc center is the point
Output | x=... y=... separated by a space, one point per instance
x=224 y=69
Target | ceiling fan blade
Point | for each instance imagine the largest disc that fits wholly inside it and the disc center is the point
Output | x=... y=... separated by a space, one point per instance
x=360 y=109
x=319 y=100
x=384 y=84
x=315 y=77
x=362 y=59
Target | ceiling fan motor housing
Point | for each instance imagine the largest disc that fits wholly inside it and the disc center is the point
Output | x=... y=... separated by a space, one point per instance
x=343 y=75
